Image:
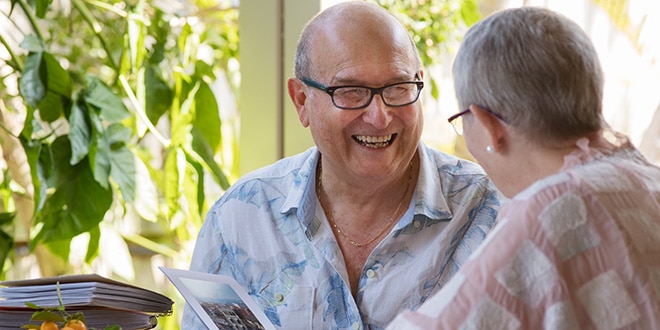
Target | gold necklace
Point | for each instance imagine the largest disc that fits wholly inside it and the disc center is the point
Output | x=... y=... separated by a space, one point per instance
x=319 y=193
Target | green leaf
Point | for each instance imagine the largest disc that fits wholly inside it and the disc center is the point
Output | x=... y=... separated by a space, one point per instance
x=124 y=67
x=123 y=172
x=99 y=154
x=186 y=31
x=78 y=202
x=6 y=246
x=117 y=134
x=59 y=247
x=33 y=152
x=31 y=86
x=7 y=218
x=42 y=7
x=58 y=80
x=32 y=305
x=51 y=107
x=207 y=116
x=435 y=90
x=182 y=120
x=136 y=36
x=112 y=158
x=93 y=246
x=203 y=69
x=73 y=209
x=45 y=85
x=470 y=12
x=33 y=44
x=201 y=147
x=79 y=133
x=173 y=163
x=55 y=159
x=193 y=189
x=47 y=316
x=101 y=96
x=28 y=129
x=158 y=96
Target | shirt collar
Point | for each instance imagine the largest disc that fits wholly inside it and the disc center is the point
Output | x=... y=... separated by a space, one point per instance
x=430 y=201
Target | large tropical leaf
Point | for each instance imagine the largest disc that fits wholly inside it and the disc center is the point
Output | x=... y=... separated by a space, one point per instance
x=77 y=204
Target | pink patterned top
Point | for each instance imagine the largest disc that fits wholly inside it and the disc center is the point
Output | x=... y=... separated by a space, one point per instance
x=576 y=250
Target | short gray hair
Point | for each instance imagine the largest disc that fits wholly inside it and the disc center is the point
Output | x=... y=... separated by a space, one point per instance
x=536 y=68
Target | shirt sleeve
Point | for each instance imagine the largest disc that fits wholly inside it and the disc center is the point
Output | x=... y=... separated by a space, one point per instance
x=207 y=251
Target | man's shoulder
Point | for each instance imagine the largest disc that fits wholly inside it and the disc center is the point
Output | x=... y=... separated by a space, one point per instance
x=275 y=179
x=281 y=167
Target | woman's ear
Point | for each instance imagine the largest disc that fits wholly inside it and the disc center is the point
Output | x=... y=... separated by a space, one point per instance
x=493 y=125
x=298 y=97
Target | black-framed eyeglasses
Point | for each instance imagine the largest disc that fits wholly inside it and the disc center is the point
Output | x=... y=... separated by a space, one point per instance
x=352 y=97
x=457 y=120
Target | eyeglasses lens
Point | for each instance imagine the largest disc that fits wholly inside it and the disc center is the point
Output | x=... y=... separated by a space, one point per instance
x=457 y=123
x=359 y=97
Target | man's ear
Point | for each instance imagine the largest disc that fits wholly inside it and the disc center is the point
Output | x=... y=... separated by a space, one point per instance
x=298 y=97
x=493 y=125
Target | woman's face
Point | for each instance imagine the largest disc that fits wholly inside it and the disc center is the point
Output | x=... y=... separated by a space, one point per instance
x=497 y=164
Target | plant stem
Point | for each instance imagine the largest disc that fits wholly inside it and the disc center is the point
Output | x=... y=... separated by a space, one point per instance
x=33 y=20
x=17 y=63
x=140 y=112
x=96 y=27
x=108 y=7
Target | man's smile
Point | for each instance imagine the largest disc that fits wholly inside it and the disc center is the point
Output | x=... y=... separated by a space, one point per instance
x=375 y=141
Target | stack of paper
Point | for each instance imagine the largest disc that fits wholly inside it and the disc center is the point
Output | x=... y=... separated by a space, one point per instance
x=102 y=301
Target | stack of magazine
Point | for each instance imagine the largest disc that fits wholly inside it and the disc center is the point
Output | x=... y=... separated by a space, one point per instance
x=102 y=301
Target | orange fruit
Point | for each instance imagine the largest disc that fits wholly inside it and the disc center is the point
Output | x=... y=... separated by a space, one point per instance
x=75 y=325
x=49 y=325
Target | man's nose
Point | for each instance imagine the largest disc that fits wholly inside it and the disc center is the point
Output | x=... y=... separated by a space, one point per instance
x=377 y=113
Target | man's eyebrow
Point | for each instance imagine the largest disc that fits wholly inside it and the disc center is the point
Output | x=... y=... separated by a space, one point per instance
x=347 y=81
x=356 y=82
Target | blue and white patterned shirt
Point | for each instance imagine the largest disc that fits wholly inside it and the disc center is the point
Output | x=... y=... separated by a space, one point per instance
x=269 y=233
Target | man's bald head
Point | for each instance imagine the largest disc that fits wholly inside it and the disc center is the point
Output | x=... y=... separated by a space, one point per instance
x=353 y=26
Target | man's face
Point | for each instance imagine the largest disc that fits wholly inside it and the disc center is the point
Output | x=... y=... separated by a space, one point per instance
x=375 y=140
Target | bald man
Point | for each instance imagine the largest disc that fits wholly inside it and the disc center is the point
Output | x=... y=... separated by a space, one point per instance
x=369 y=221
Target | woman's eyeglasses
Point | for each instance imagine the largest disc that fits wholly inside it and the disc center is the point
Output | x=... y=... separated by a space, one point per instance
x=457 y=120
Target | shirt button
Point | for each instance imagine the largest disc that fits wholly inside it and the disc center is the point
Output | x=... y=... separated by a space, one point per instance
x=417 y=224
x=279 y=297
x=371 y=274
x=356 y=325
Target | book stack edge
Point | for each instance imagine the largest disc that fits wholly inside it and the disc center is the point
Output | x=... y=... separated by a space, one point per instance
x=102 y=301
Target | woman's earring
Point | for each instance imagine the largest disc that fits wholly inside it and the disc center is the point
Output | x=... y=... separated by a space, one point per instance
x=489 y=149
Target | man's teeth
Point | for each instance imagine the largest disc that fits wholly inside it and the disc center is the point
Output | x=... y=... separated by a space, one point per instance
x=374 y=141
